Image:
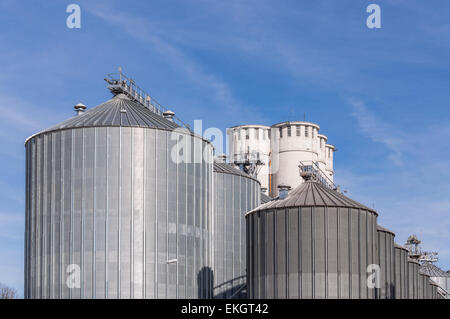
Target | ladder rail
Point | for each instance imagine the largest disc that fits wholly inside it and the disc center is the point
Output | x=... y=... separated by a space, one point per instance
x=120 y=83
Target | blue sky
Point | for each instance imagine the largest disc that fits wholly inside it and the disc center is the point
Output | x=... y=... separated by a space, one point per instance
x=381 y=96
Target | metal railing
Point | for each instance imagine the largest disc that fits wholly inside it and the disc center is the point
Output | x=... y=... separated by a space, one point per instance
x=120 y=83
x=317 y=174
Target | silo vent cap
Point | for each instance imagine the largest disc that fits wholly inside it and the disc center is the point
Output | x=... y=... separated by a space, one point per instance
x=80 y=108
x=283 y=190
x=169 y=115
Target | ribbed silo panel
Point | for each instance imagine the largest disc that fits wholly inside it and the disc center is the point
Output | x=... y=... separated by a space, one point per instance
x=344 y=253
x=332 y=253
x=234 y=196
x=293 y=279
x=363 y=258
x=410 y=280
x=254 y=256
x=306 y=253
x=386 y=262
x=270 y=227
x=106 y=199
x=401 y=274
x=262 y=257
x=354 y=254
x=319 y=248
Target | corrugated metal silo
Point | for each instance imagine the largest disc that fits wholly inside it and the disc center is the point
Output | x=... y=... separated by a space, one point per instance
x=386 y=260
x=314 y=243
x=439 y=276
x=413 y=279
x=105 y=195
x=423 y=279
x=401 y=272
x=235 y=193
x=428 y=289
x=434 y=290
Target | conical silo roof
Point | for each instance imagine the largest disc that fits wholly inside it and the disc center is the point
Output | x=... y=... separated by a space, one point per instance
x=228 y=169
x=312 y=193
x=432 y=270
x=380 y=228
x=265 y=198
x=118 y=111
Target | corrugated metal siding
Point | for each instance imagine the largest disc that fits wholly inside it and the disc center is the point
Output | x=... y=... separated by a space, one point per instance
x=110 y=200
x=401 y=273
x=386 y=262
x=234 y=195
x=310 y=252
x=413 y=280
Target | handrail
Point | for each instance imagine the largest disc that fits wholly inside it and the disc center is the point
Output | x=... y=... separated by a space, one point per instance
x=318 y=174
x=120 y=83
x=230 y=281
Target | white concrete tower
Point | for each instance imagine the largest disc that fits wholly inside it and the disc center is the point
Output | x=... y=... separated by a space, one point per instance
x=329 y=154
x=322 y=161
x=252 y=143
x=292 y=143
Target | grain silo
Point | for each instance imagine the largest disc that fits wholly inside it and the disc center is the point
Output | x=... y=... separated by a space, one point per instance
x=311 y=243
x=401 y=272
x=423 y=279
x=413 y=278
x=109 y=202
x=235 y=193
x=386 y=260
x=439 y=276
x=434 y=290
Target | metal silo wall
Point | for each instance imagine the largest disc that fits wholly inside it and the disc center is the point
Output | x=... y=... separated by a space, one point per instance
x=234 y=195
x=386 y=260
x=413 y=280
x=111 y=200
x=401 y=273
x=310 y=252
x=422 y=286
x=428 y=289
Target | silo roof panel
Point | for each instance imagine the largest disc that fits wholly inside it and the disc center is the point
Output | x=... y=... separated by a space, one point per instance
x=379 y=228
x=432 y=270
x=265 y=198
x=312 y=193
x=118 y=111
x=226 y=168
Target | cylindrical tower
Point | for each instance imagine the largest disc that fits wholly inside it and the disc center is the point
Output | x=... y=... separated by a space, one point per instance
x=401 y=272
x=313 y=243
x=423 y=279
x=292 y=143
x=386 y=259
x=436 y=274
x=413 y=279
x=434 y=289
x=235 y=193
x=329 y=158
x=117 y=207
x=252 y=143
x=322 y=150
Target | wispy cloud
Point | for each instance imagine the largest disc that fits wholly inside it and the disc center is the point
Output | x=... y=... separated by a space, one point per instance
x=146 y=32
x=378 y=131
x=412 y=197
